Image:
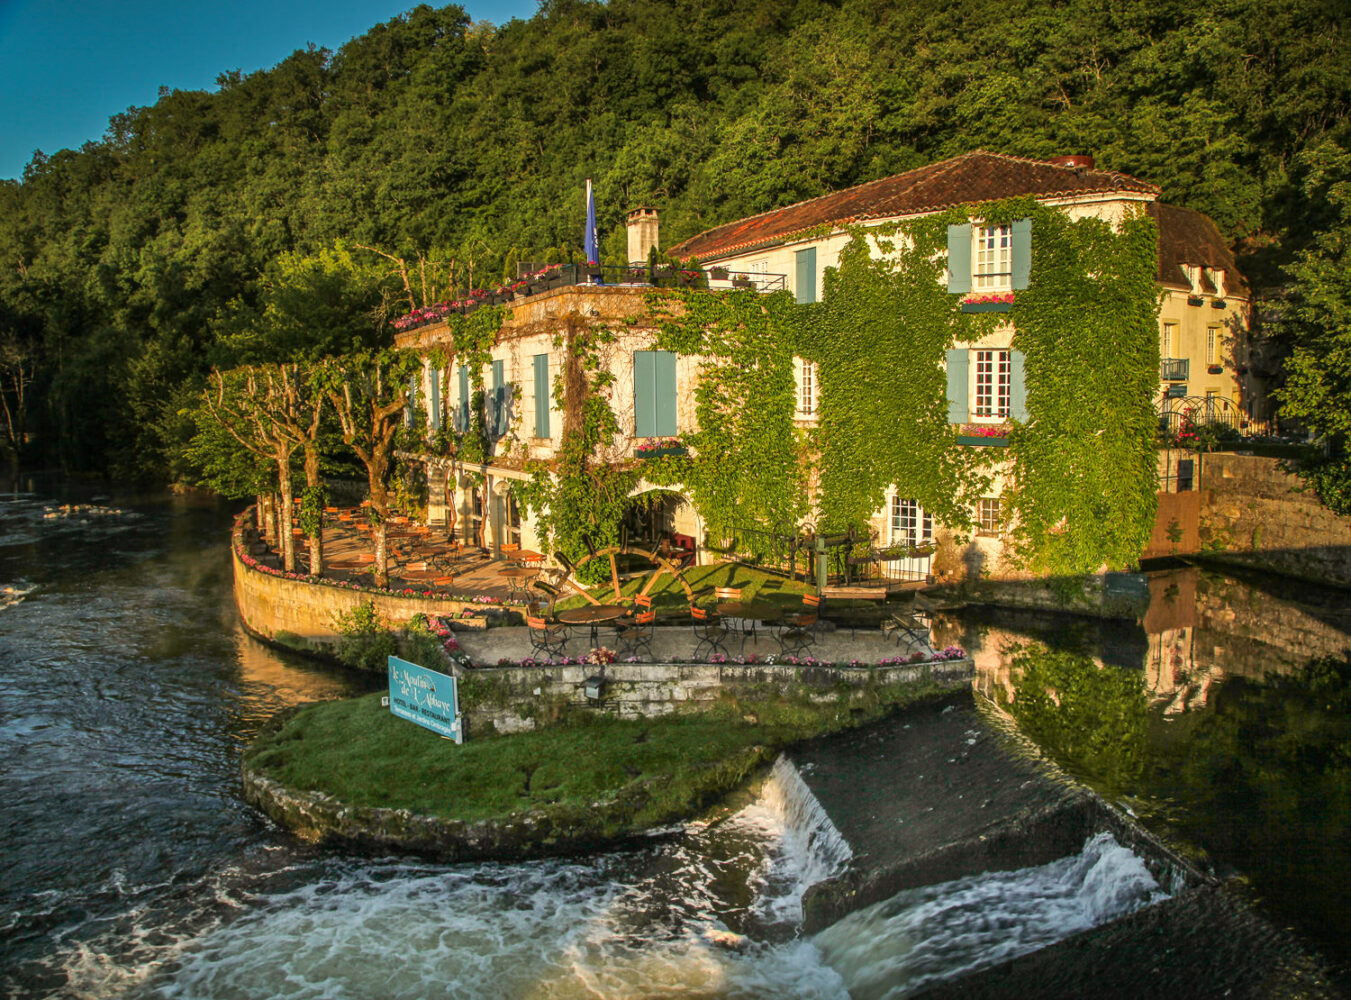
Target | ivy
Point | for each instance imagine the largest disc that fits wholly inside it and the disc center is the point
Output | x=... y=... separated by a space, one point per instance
x=745 y=464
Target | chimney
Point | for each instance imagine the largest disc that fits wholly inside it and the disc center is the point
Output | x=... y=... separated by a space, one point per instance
x=642 y=225
x=1076 y=161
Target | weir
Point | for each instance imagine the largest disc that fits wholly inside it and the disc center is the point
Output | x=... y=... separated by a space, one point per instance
x=976 y=868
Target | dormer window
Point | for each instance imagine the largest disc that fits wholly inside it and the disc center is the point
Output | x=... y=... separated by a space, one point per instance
x=1193 y=274
x=1216 y=277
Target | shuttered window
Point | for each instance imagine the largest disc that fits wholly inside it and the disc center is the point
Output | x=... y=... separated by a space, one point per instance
x=462 y=410
x=654 y=394
x=541 y=395
x=434 y=398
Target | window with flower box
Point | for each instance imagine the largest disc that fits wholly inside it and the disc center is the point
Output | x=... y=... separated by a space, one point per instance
x=993 y=384
x=909 y=523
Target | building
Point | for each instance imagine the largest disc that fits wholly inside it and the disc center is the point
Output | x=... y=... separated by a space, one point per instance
x=1203 y=319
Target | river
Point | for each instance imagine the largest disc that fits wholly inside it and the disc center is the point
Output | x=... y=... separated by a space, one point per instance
x=131 y=867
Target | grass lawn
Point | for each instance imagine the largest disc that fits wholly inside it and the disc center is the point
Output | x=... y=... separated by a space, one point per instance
x=637 y=773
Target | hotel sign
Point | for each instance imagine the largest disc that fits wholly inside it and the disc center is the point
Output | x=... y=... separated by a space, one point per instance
x=426 y=697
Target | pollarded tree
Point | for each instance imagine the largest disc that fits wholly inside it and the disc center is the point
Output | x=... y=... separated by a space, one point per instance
x=369 y=393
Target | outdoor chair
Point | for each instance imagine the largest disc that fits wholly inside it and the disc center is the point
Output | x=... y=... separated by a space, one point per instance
x=549 y=591
x=637 y=635
x=798 y=634
x=708 y=629
x=546 y=638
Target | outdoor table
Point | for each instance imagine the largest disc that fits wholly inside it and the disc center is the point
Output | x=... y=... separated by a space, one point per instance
x=528 y=558
x=593 y=615
x=749 y=611
x=516 y=577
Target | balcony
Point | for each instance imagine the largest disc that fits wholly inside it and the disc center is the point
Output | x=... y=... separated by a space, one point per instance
x=1174 y=369
x=711 y=278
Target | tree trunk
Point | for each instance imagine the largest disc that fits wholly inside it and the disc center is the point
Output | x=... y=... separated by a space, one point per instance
x=288 y=538
x=312 y=481
x=260 y=515
x=269 y=521
x=381 y=566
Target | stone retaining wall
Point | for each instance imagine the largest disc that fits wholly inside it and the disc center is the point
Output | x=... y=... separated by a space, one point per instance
x=1254 y=514
x=515 y=699
x=300 y=614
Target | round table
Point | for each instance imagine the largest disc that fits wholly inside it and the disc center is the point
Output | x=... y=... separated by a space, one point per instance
x=516 y=577
x=594 y=615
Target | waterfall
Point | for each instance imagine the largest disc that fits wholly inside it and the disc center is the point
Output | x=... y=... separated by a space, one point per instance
x=810 y=850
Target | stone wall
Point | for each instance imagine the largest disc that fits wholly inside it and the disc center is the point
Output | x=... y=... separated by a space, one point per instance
x=513 y=699
x=1254 y=514
x=300 y=614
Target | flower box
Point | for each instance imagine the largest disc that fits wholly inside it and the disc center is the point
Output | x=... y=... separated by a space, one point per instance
x=718 y=273
x=1214 y=369
x=1195 y=300
x=1218 y=303
x=661 y=452
x=980 y=441
x=742 y=283
x=987 y=307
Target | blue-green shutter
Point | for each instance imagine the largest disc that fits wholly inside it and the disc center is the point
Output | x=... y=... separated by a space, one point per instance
x=1017 y=387
x=1022 y=252
x=806 y=275
x=644 y=393
x=958 y=407
x=412 y=401
x=665 y=376
x=497 y=407
x=434 y=400
x=959 y=258
x=463 y=408
x=541 y=395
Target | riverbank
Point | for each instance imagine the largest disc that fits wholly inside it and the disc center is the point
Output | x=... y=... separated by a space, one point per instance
x=351 y=773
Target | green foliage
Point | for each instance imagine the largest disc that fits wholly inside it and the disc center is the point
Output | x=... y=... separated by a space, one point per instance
x=1084 y=496
x=1315 y=316
x=366 y=642
x=745 y=466
x=880 y=338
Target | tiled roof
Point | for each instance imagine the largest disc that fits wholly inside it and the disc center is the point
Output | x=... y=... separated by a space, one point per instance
x=971 y=177
x=1188 y=237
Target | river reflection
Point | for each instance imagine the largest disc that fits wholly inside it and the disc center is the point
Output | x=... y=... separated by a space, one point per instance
x=1222 y=718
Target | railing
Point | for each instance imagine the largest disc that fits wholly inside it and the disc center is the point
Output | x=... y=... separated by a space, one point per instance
x=544 y=277
x=1174 y=369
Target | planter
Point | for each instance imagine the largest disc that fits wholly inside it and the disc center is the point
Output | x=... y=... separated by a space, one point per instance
x=718 y=273
x=1219 y=303
x=1215 y=369
x=1195 y=300
x=987 y=307
x=660 y=452
x=982 y=442
x=742 y=283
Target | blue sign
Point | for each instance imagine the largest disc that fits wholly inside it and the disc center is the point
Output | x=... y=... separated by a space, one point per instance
x=426 y=697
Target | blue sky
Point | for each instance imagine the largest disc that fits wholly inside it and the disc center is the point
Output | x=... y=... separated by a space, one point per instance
x=67 y=66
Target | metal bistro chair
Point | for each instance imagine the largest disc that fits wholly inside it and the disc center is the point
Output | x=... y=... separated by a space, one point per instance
x=910 y=629
x=708 y=629
x=745 y=627
x=798 y=634
x=641 y=603
x=639 y=635
x=546 y=638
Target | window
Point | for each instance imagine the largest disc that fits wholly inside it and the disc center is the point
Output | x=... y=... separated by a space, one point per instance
x=541 y=395
x=1212 y=345
x=654 y=394
x=994 y=257
x=1168 y=340
x=910 y=525
x=990 y=515
x=993 y=384
x=806 y=375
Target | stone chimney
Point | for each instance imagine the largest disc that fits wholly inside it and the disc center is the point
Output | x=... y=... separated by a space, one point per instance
x=642 y=226
x=1078 y=161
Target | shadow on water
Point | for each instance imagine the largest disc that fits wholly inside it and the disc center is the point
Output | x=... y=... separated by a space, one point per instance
x=1222 y=718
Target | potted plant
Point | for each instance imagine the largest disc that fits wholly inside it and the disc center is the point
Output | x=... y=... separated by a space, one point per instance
x=742 y=281
x=718 y=273
x=1195 y=300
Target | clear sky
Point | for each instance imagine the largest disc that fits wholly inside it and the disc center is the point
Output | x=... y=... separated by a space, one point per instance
x=67 y=66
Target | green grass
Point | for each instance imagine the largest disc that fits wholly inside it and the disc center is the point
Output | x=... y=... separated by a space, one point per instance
x=619 y=775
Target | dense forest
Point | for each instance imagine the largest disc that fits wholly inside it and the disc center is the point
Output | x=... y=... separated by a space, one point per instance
x=178 y=241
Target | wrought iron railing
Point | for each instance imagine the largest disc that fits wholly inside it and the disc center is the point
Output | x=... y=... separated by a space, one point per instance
x=544 y=277
x=1174 y=369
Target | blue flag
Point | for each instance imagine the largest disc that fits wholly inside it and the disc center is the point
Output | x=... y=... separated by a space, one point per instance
x=592 y=253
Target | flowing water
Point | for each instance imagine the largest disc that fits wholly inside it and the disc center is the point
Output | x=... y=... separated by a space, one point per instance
x=131 y=867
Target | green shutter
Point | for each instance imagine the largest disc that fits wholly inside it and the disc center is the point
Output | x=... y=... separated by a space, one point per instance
x=644 y=394
x=959 y=258
x=1022 y=252
x=665 y=377
x=806 y=275
x=434 y=400
x=958 y=407
x=463 y=408
x=1017 y=387
x=498 y=418
x=541 y=395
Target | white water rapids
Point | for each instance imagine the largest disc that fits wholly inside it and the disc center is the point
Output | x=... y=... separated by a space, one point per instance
x=711 y=913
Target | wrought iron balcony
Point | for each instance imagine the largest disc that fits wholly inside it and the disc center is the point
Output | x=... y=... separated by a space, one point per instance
x=1174 y=369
